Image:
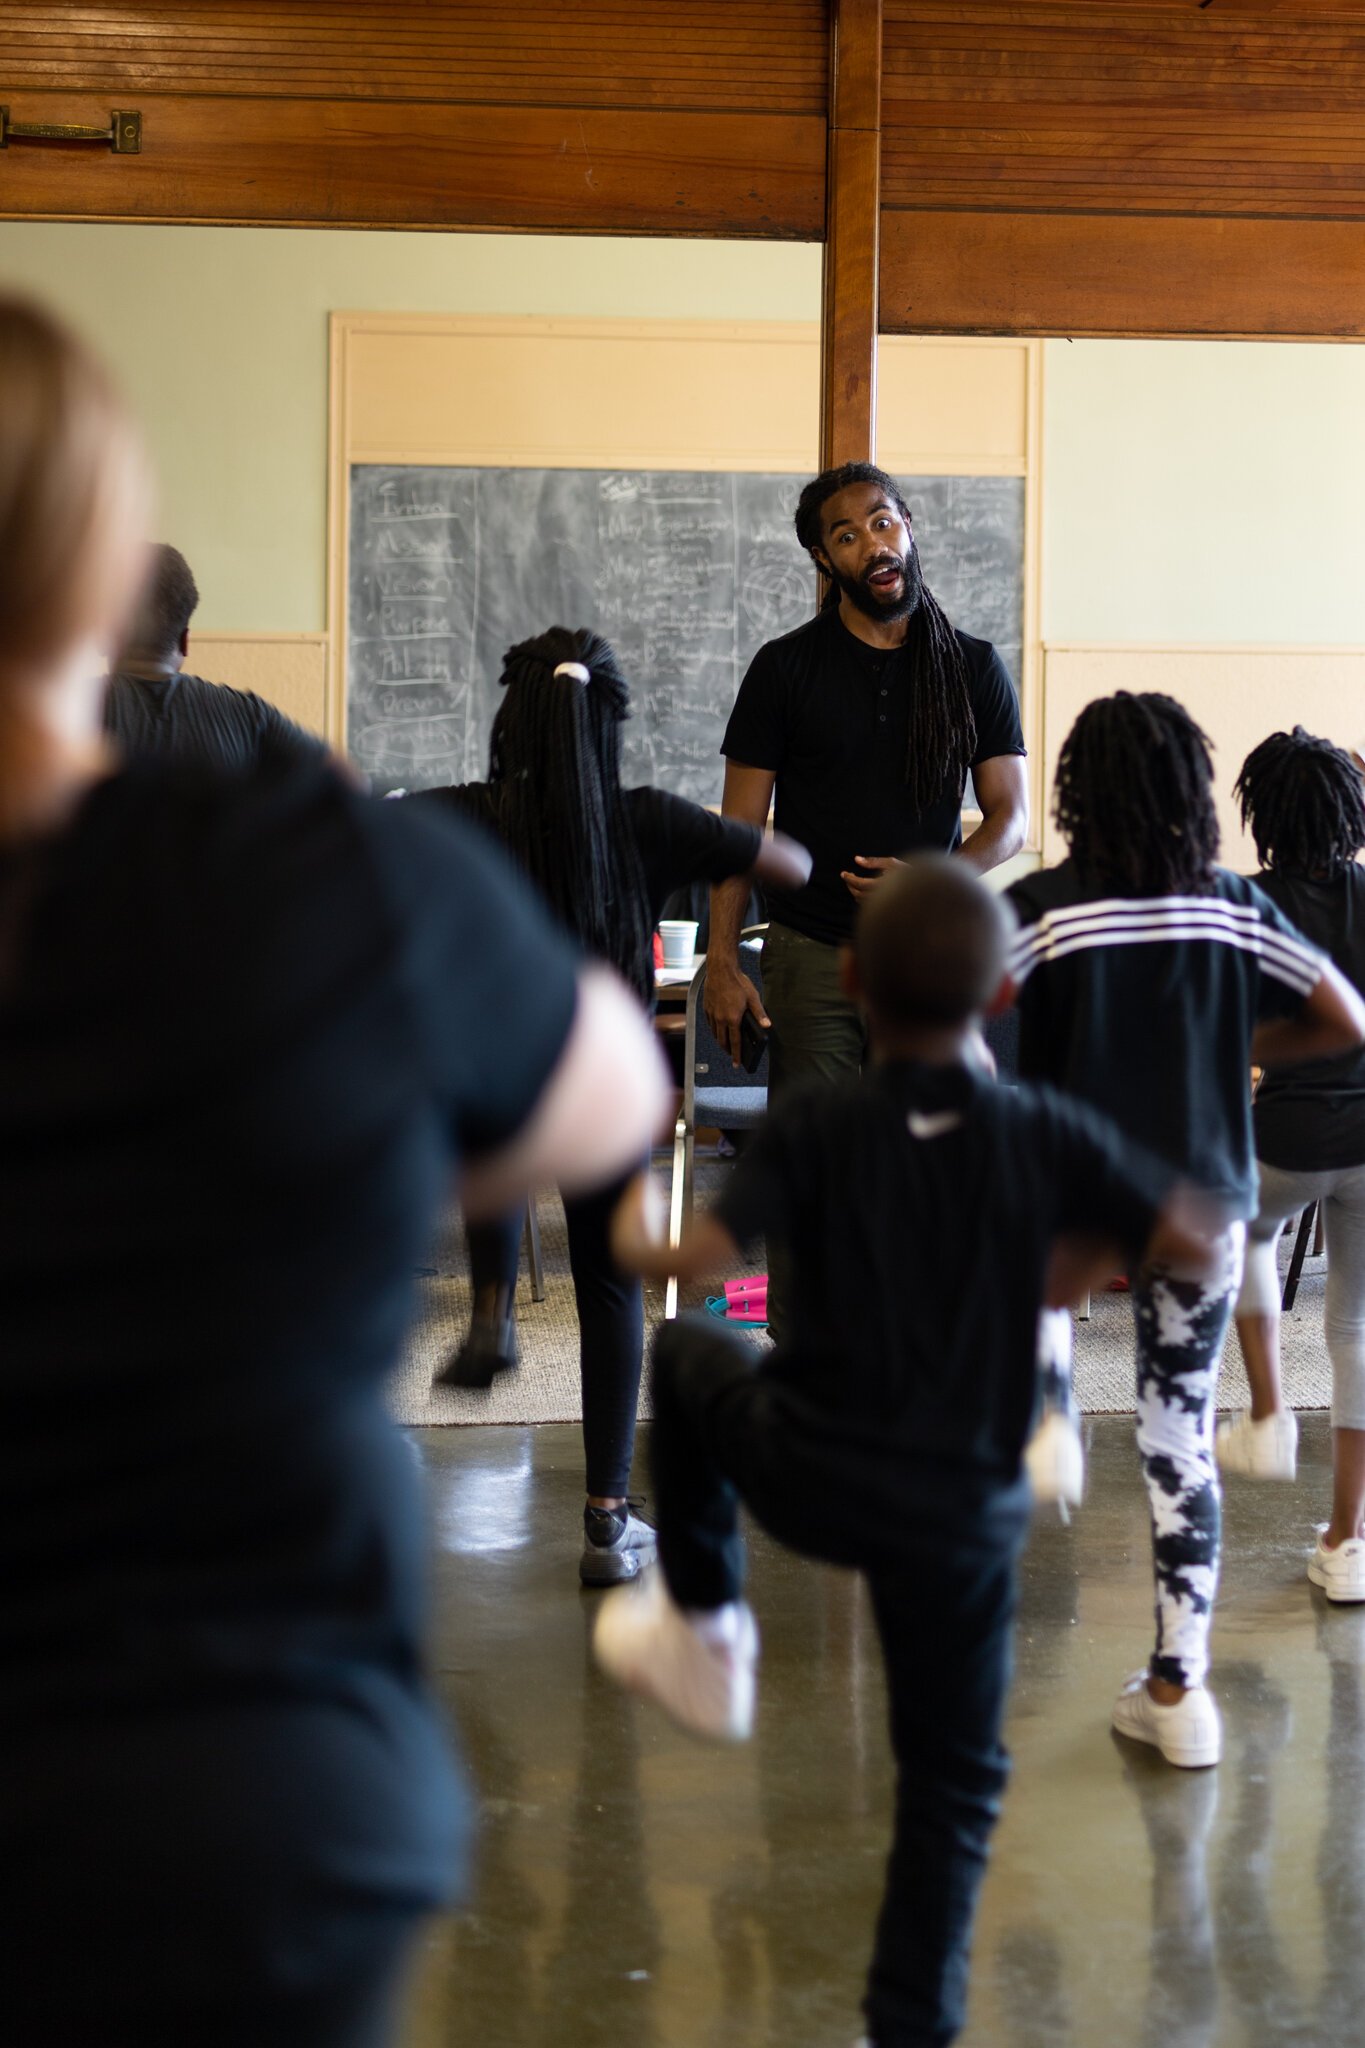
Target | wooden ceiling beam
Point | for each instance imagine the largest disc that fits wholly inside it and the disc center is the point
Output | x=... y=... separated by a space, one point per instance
x=1122 y=275
x=343 y=163
x=849 y=296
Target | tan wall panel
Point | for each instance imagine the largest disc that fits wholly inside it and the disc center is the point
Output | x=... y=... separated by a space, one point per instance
x=583 y=394
x=952 y=408
x=287 y=669
x=661 y=395
x=1238 y=695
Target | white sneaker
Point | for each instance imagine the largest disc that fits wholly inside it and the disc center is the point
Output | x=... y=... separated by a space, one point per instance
x=698 y=1667
x=1189 y=1734
x=1054 y=1459
x=1268 y=1449
x=1340 y=1572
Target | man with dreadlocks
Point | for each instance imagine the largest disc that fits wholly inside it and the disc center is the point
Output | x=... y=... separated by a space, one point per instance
x=864 y=722
x=1303 y=801
x=1148 y=980
x=605 y=859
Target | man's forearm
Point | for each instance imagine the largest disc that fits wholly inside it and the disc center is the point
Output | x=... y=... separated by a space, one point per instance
x=997 y=838
x=727 y=921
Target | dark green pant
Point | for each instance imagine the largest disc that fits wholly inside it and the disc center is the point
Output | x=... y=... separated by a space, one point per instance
x=817 y=1032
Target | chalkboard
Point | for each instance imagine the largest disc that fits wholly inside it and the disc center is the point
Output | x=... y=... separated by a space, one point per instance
x=686 y=573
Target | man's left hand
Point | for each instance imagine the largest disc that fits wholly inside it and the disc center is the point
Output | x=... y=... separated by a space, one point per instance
x=874 y=868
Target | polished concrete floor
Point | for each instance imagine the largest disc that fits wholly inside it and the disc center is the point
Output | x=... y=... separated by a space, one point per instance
x=634 y=1887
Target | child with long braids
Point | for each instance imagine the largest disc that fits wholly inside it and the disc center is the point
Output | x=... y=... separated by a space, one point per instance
x=1304 y=803
x=1148 y=980
x=605 y=859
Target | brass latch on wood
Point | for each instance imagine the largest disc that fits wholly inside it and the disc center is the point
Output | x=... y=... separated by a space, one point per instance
x=123 y=135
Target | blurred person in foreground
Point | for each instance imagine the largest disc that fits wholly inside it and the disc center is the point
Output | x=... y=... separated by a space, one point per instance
x=244 y=1045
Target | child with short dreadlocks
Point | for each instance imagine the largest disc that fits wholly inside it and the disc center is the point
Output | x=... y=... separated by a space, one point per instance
x=604 y=858
x=1148 y=979
x=1303 y=801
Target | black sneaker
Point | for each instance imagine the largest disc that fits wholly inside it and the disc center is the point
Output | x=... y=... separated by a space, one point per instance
x=616 y=1545
x=490 y=1348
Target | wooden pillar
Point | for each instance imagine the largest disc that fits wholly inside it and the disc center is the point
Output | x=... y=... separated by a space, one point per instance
x=848 y=341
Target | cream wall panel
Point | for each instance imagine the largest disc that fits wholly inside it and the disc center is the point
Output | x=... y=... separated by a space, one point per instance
x=287 y=669
x=1238 y=695
x=1204 y=492
x=953 y=408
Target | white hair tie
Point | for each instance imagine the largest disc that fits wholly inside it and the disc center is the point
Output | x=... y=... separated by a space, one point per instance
x=573 y=672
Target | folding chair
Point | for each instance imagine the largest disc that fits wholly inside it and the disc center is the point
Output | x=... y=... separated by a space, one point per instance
x=714 y=1091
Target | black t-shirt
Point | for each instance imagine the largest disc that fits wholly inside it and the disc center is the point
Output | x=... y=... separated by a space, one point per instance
x=918 y=1206
x=1312 y=1118
x=679 y=842
x=1146 y=1006
x=247 y=1032
x=183 y=718
x=831 y=717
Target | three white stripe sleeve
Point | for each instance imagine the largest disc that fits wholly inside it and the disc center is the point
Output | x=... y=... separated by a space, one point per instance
x=1164 y=920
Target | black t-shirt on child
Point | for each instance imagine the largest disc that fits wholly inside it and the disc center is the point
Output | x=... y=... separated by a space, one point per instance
x=1312 y=1118
x=248 y=1029
x=1145 y=1006
x=831 y=717
x=918 y=1206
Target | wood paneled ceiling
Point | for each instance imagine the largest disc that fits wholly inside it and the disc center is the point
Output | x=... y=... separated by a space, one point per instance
x=700 y=57
x=1082 y=166
x=1071 y=166
x=1084 y=105
x=588 y=115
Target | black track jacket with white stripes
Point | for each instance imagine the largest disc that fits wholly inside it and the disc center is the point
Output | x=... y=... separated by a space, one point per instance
x=1145 y=1007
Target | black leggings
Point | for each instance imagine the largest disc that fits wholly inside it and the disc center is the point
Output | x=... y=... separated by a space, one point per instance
x=611 y=1326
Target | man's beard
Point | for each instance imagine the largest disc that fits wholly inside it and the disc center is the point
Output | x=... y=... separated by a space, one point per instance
x=883 y=609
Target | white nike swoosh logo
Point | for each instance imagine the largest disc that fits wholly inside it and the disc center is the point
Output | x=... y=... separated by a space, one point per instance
x=936 y=1126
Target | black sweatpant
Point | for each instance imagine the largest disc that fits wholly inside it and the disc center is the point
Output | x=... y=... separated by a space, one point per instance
x=938 y=1547
x=611 y=1326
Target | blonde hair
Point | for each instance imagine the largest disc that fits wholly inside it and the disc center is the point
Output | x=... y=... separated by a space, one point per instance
x=74 y=505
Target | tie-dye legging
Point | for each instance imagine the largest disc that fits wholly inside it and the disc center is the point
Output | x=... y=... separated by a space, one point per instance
x=1181 y=1324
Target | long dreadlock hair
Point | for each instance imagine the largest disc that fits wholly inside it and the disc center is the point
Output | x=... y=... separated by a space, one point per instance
x=942 y=736
x=1134 y=797
x=1304 y=802
x=555 y=772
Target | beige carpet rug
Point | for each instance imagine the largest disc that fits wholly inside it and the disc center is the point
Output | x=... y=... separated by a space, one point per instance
x=545 y=1387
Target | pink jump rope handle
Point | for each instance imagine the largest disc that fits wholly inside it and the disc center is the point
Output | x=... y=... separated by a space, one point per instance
x=753 y=1284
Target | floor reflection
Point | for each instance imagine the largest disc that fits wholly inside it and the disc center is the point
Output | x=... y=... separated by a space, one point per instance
x=634 y=1886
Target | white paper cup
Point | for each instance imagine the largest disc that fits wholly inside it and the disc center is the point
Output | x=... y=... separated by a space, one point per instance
x=679 y=935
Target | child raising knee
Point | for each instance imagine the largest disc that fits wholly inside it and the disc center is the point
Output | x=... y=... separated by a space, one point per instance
x=921 y=1207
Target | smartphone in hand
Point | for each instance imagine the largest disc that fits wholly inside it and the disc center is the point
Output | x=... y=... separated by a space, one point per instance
x=753 y=1043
